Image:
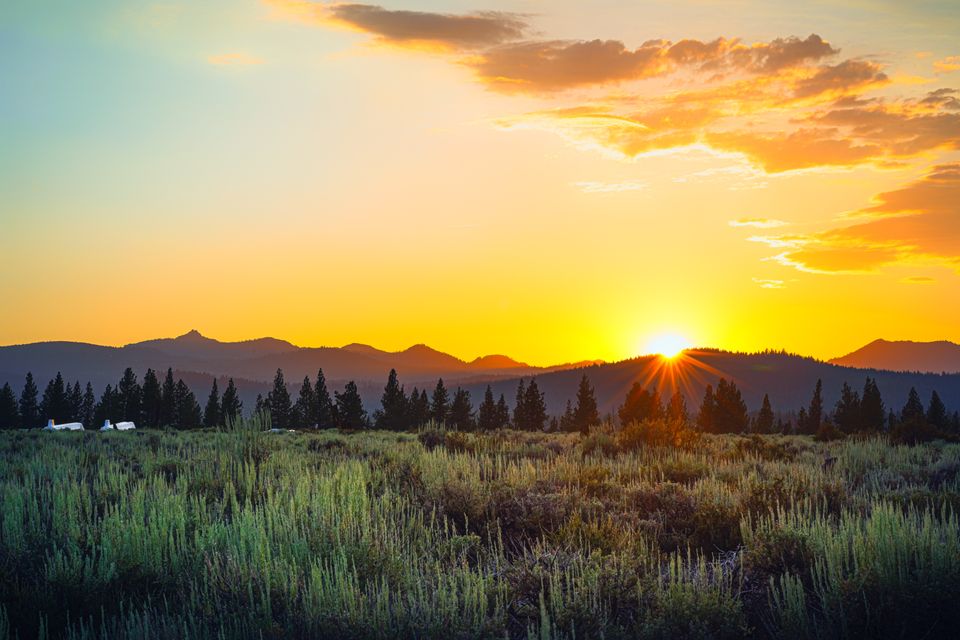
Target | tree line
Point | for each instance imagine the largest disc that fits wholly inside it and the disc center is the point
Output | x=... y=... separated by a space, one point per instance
x=150 y=404
x=153 y=403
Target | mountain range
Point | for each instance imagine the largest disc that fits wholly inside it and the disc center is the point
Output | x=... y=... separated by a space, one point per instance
x=788 y=379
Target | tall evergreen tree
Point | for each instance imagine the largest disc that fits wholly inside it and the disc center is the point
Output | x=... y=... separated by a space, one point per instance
x=585 y=414
x=487 y=412
x=640 y=404
x=393 y=414
x=705 y=416
x=677 y=408
x=520 y=420
x=566 y=420
x=325 y=408
x=305 y=408
x=418 y=408
x=350 y=411
x=764 y=422
x=461 y=411
x=9 y=412
x=846 y=415
x=815 y=412
x=211 y=412
x=536 y=407
x=872 y=412
x=440 y=403
x=188 y=414
x=89 y=405
x=151 y=399
x=231 y=408
x=75 y=402
x=503 y=413
x=278 y=401
x=937 y=412
x=106 y=408
x=912 y=412
x=168 y=401
x=128 y=397
x=55 y=403
x=730 y=411
x=29 y=408
x=802 y=420
x=260 y=406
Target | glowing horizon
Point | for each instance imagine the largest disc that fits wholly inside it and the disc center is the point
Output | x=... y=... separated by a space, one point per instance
x=553 y=183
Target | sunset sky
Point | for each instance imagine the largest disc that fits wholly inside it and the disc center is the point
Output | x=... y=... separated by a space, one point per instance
x=551 y=180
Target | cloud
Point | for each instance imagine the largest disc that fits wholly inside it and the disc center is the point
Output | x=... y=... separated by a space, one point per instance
x=757 y=223
x=800 y=149
x=841 y=79
x=610 y=187
x=769 y=283
x=467 y=31
x=948 y=64
x=550 y=66
x=918 y=280
x=916 y=224
x=456 y=32
x=233 y=59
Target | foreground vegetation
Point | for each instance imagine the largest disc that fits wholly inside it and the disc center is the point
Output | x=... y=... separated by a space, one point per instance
x=649 y=532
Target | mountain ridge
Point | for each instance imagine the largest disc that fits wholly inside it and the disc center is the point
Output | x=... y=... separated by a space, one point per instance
x=905 y=355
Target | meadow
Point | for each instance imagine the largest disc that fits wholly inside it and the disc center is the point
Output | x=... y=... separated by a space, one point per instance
x=440 y=534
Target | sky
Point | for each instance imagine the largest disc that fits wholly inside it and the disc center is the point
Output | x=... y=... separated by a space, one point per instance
x=555 y=181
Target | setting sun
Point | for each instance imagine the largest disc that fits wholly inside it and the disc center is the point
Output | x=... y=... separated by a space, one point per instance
x=668 y=345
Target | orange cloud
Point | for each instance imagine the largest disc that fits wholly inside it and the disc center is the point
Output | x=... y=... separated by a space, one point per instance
x=916 y=224
x=948 y=64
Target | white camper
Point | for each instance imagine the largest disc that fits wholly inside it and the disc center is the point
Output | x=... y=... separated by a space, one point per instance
x=66 y=426
x=106 y=426
x=125 y=426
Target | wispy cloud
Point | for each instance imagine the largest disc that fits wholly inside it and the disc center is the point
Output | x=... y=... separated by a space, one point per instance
x=769 y=283
x=610 y=187
x=233 y=59
x=948 y=64
x=757 y=223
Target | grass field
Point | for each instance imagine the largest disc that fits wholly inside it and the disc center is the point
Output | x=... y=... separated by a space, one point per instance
x=451 y=535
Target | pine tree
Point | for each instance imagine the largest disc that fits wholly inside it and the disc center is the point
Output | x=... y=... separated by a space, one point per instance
x=305 y=408
x=461 y=411
x=872 y=412
x=231 y=408
x=937 y=412
x=151 y=399
x=677 y=408
x=487 y=412
x=168 y=401
x=129 y=397
x=75 y=402
x=802 y=421
x=536 y=407
x=846 y=415
x=520 y=420
x=350 y=411
x=503 y=413
x=393 y=414
x=211 y=413
x=730 y=411
x=187 y=414
x=566 y=420
x=278 y=401
x=912 y=412
x=640 y=404
x=89 y=406
x=705 y=417
x=418 y=408
x=325 y=408
x=9 y=412
x=106 y=408
x=54 y=403
x=815 y=412
x=260 y=406
x=439 y=403
x=585 y=414
x=29 y=409
x=765 y=416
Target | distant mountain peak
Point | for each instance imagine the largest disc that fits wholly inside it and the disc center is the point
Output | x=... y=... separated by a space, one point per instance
x=904 y=355
x=193 y=334
x=497 y=361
